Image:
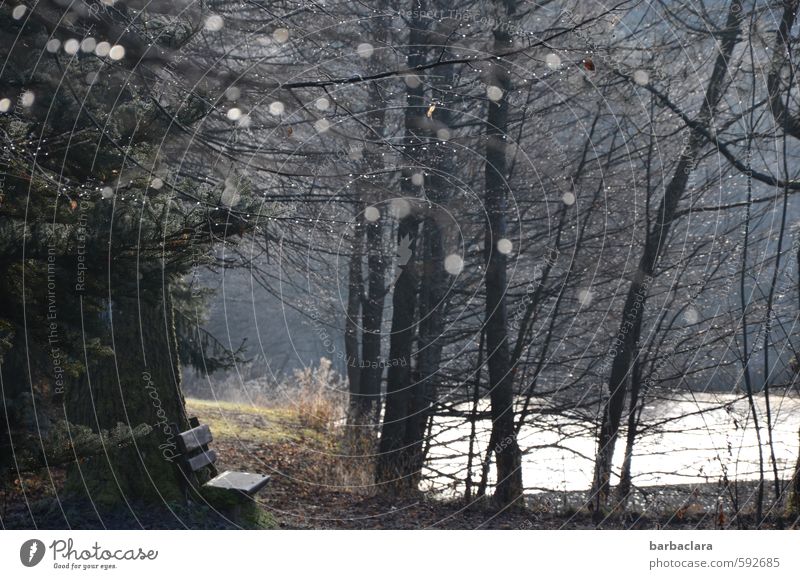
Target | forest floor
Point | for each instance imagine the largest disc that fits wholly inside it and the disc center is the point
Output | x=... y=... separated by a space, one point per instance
x=313 y=486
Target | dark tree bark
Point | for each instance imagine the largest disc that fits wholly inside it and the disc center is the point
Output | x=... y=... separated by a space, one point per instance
x=784 y=118
x=793 y=503
x=633 y=310
x=369 y=397
x=429 y=354
x=355 y=293
x=634 y=413
x=366 y=400
x=473 y=419
x=138 y=384
x=503 y=438
x=433 y=282
x=790 y=124
x=395 y=464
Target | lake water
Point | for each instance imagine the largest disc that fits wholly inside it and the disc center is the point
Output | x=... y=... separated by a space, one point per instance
x=706 y=434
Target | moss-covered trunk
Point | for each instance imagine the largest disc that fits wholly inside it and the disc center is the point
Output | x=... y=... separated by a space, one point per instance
x=138 y=383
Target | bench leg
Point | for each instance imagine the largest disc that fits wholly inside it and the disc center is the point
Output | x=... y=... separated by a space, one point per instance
x=240 y=508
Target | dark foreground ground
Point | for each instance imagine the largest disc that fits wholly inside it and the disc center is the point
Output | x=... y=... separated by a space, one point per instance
x=313 y=488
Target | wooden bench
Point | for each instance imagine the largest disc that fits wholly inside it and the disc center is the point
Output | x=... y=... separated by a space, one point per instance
x=195 y=455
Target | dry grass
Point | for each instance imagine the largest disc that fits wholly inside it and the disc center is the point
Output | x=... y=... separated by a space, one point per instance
x=321 y=396
x=322 y=405
x=304 y=420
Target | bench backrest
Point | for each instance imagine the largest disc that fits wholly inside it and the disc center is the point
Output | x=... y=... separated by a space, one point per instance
x=193 y=446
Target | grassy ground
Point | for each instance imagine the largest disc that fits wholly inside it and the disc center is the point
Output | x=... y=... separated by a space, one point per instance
x=246 y=422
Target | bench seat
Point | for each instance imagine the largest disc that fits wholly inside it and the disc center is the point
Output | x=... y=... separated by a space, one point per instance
x=244 y=482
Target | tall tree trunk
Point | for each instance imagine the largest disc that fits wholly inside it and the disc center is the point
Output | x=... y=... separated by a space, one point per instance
x=367 y=404
x=395 y=464
x=793 y=502
x=634 y=413
x=633 y=310
x=508 y=457
x=355 y=292
x=473 y=419
x=746 y=354
x=138 y=384
x=372 y=321
x=433 y=282
x=429 y=353
x=393 y=460
x=790 y=124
